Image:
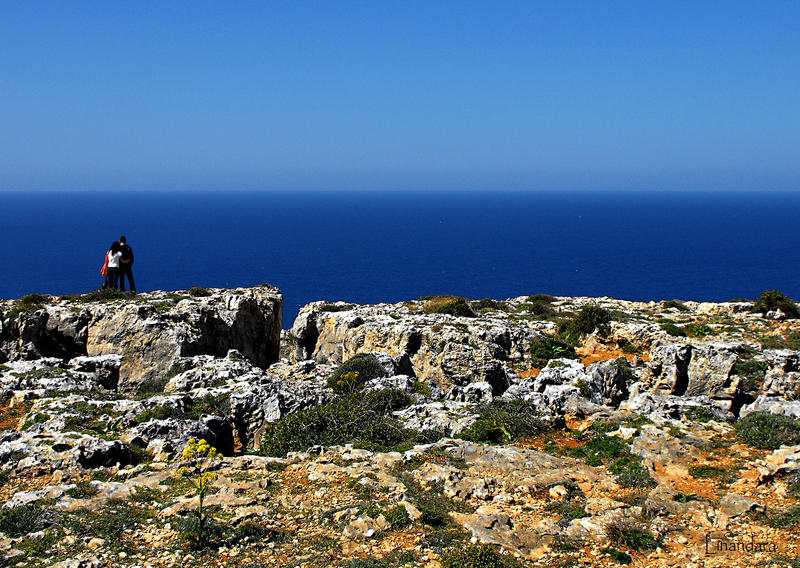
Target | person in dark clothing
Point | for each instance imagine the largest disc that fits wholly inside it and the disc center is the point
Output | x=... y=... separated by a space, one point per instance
x=126 y=265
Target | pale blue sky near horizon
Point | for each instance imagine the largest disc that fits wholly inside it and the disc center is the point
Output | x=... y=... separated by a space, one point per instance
x=399 y=95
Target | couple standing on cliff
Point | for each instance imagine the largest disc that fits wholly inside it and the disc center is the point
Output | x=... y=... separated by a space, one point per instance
x=118 y=265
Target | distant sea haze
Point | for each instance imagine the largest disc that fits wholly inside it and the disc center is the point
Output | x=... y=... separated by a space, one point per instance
x=371 y=247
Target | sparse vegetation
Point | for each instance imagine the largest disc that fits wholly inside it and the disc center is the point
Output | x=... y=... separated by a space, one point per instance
x=28 y=303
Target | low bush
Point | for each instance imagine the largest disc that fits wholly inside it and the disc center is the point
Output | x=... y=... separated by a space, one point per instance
x=22 y=520
x=618 y=556
x=707 y=472
x=699 y=414
x=771 y=300
x=698 y=330
x=544 y=349
x=768 y=431
x=355 y=372
x=539 y=305
x=487 y=305
x=397 y=517
x=588 y=320
x=675 y=304
x=503 y=422
x=197 y=292
x=615 y=453
x=673 y=330
x=83 y=490
x=361 y=418
x=451 y=305
x=632 y=535
x=752 y=371
x=787 y=519
x=476 y=556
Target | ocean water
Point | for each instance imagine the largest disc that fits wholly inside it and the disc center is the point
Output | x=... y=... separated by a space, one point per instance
x=373 y=247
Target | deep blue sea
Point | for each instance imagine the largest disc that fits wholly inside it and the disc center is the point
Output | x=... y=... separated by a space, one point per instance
x=372 y=246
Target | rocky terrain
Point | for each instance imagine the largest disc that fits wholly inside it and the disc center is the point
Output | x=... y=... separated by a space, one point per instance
x=532 y=431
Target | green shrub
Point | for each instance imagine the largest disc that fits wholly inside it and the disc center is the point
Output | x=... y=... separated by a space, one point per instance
x=504 y=421
x=790 y=340
x=775 y=300
x=361 y=418
x=618 y=556
x=768 y=431
x=699 y=414
x=83 y=490
x=601 y=449
x=788 y=519
x=197 y=292
x=539 y=305
x=355 y=372
x=707 y=472
x=698 y=330
x=397 y=517
x=422 y=388
x=22 y=520
x=159 y=413
x=544 y=349
x=752 y=371
x=631 y=535
x=451 y=305
x=487 y=304
x=677 y=304
x=632 y=474
x=615 y=452
x=567 y=510
x=476 y=556
x=673 y=330
x=589 y=319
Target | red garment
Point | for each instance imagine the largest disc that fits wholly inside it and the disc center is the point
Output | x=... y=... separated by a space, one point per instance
x=104 y=270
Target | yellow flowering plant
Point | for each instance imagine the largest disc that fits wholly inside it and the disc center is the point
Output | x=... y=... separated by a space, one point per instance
x=200 y=457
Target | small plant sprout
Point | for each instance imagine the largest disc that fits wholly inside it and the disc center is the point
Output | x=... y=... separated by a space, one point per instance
x=201 y=457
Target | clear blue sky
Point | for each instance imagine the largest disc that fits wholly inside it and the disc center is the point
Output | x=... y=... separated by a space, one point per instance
x=399 y=95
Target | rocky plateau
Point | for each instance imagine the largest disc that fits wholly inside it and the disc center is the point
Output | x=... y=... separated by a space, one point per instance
x=532 y=431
